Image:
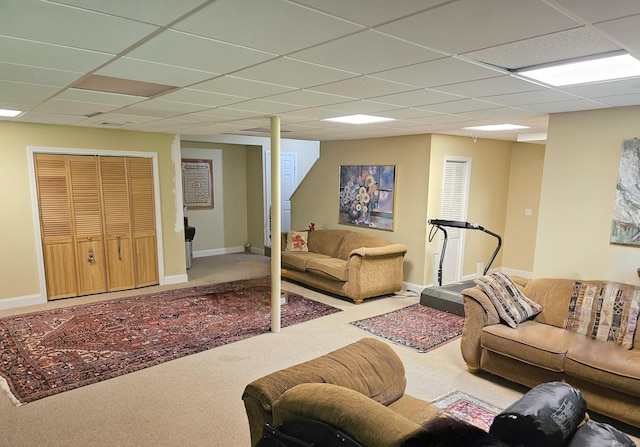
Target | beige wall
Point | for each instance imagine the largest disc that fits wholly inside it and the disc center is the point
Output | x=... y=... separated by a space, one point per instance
x=19 y=270
x=525 y=181
x=255 y=197
x=577 y=197
x=420 y=162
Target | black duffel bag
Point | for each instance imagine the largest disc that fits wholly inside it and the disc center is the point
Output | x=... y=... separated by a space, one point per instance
x=546 y=416
x=305 y=433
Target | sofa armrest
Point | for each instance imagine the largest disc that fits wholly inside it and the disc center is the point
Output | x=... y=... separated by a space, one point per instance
x=368 y=422
x=479 y=312
x=385 y=250
x=369 y=366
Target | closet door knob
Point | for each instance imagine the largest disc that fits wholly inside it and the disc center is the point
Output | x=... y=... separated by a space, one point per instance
x=91 y=259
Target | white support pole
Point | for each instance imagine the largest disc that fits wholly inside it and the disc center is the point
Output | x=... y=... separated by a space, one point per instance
x=276 y=226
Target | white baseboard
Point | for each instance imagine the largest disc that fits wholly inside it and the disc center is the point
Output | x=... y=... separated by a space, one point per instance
x=21 y=301
x=413 y=287
x=217 y=251
x=176 y=279
x=523 y=273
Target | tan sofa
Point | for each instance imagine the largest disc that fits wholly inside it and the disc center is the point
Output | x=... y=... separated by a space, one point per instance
x=540 y=349
x=346 y=263
x=358 y=388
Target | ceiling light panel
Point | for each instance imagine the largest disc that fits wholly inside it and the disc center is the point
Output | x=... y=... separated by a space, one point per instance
x=586 y=71
x=359 y=119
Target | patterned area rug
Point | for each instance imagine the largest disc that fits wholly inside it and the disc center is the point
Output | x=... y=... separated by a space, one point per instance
x=419 y=327
x=467 y=408
x=49 y=352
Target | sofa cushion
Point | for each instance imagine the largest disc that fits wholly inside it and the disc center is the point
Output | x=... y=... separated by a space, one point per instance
x=512 y=305
x=605 y=312
x=297 y=260
x=326 y=242
x=607 y=364
x=297 y=241
x=534 y=343
x=332 y=268
x=353 y=240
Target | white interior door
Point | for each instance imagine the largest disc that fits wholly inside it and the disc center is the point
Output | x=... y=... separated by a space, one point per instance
x=455 y=198
x=289 y=182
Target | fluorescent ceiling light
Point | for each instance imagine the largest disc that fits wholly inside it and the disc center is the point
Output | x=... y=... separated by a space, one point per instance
x=359 y=119
x=496 y=127
x=585 y=71
x=10 y=113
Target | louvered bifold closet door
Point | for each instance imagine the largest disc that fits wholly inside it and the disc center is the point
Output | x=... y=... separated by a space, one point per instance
x=55 y=225
x=140 y=172
x=87 y=220
x=117 y=223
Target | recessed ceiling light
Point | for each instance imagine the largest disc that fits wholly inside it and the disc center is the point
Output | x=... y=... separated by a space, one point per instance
x=495 y=127
x=10 y=113
x=359 y=119
x=586 y=71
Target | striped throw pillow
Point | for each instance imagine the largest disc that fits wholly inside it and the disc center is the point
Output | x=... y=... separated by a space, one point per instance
x=513 y=307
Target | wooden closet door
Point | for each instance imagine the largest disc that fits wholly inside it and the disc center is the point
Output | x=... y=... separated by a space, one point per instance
x=56 y=225
x=117 y=223
x=140 y=172
x=87 y=222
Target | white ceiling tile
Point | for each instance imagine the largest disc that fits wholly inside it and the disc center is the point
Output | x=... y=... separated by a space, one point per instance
x=621 y=100
x=309 y=98
x=565 y=106
x=625 y=31
x=611 y=88
x=515 y=99
x=49 y=118
x=48 y=22
x=418 y=97
x=36 y=75
x=115 y=119
x=244 y=87
x=370 y=12
x=491 y=86
x=511 y=114
x=463 y=26
x=199 y=53
x=202 y=98
x=445 y=71
x=293 y=73
x=410 y=113
x=367 y=52
x=266 y=25
x=462 y=106
x=38 y=93
x=79 y=108
x=147 y=11
x=161 y=109
x=262 y=106
x=25 y=52
x=596 y=11
x=570 y=44
x=146 y=71
x=364 y=87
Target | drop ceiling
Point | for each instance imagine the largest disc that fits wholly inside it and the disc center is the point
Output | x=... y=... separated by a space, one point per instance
x=227 y=66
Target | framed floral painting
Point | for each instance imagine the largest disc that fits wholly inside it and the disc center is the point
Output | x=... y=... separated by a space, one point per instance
x=367 y=196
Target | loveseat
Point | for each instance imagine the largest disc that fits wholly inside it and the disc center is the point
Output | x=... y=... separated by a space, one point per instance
x=359 y=388
x=343 y=262
x=540 y=349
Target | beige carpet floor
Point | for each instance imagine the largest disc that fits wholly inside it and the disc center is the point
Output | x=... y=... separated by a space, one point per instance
x=196 y=400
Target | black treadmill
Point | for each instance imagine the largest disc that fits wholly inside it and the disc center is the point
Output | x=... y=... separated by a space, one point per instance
x=448 y=298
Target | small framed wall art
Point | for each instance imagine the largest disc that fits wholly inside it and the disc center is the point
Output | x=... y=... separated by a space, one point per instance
x=197 y=184
x=367 y=196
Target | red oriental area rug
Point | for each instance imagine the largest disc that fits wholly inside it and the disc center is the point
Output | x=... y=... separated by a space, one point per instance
x=422 y=328
x=467 y=408
x=45 y=353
